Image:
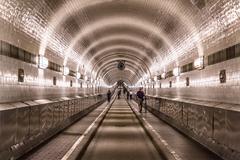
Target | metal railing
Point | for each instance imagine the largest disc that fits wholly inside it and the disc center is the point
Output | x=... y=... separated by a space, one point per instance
x=23 y=126
x=212 y=124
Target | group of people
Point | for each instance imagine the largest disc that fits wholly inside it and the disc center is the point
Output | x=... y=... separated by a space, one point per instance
x=129 y=94
x=140 y=97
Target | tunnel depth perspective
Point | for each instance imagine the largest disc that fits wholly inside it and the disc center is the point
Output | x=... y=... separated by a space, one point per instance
x=119 y=79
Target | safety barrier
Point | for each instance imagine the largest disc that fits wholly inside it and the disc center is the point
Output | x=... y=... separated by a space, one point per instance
x=214 y=125
x=25 y=125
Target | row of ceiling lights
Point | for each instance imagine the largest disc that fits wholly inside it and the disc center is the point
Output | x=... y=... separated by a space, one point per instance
x=43 y=64
x=198 y=64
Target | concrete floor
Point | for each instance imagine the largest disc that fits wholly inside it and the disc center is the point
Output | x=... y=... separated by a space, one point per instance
x=121 y=137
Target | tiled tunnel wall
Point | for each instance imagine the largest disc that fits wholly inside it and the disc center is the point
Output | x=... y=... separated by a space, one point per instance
x=35 y=87
x=204 y=84
x=38 y=83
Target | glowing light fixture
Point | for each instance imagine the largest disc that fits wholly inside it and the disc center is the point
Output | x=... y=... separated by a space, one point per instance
x=78 y=76
x=163 y=75
x=176 y=71
x=65 y=71
x=42 y=62
x=85 y=78
x=199 y=63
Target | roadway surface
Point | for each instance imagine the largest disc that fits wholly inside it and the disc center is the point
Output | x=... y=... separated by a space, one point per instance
x=121 y=137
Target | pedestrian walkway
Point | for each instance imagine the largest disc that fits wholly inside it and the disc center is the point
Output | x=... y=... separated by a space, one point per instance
x=183 y=146
x=121 y=137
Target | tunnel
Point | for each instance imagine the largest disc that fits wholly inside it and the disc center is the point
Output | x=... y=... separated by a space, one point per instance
x=119 y=79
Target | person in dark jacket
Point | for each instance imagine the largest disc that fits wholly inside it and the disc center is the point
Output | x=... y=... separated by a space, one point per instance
x=128 y=95
x=109 y=94
x=119 y=93
x=140 y=97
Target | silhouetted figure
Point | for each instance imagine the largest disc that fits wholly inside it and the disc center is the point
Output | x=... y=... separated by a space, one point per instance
x=109 y=94
x=140 y=96
x=124 y=91
x=119 y=94
x=130 y=94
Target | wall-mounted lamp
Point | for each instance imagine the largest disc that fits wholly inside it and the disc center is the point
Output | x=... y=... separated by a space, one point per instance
x=176 y=71
x=42 y=62
x=85 y=78
x=78 y=76
x=199 y=63
x=65 y=70
x=163 y=75
x=155 y=78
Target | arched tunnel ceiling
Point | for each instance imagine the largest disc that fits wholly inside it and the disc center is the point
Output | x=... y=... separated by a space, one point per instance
x=98 y=33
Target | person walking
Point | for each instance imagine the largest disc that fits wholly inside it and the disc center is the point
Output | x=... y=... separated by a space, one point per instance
x=140 y=96
x=119 y=93
x=109 y=94
x=130 y=94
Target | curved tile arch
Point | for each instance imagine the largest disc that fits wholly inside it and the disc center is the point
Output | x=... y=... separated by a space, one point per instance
x=111 y=78
x=148 y=52
x=109 y=56
x=114 y=76
x=121 y=53
x=124 y=79
x=120 y=38
x=105 y=69
x=117 y=21
x=134 y=63
x=65 y=12
x=117 y=47
x=126 y=50
x=114 y=60
x=128 y=64
x=123 y=29
x=61 y=14
x=133 y=74
x=114 y=64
